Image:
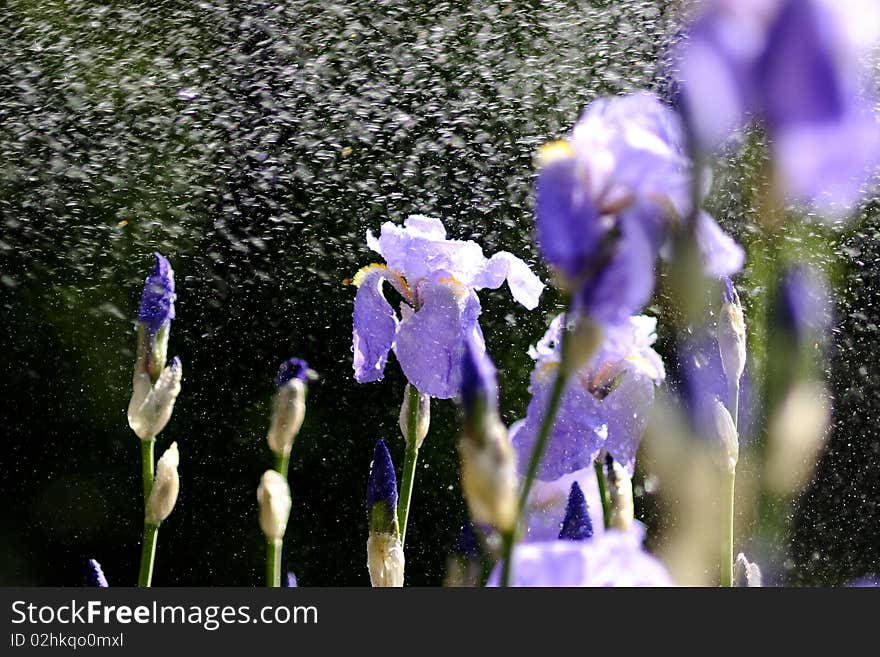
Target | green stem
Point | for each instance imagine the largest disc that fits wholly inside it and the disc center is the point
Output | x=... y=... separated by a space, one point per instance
x=148 y=554
x=148 y=467
x=603 y=494
x=282 y=463
x=409 y=461
x=727 y=547
x=273 y=564
x=537 y=455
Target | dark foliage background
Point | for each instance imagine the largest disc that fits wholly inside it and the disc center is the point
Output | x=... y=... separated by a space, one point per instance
x=254 y=143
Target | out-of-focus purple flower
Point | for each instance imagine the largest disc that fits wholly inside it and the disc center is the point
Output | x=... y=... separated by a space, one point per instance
x=293 y=368
x=606 y=403
x=291 y=581
x=437 y=279
x=548 y=501
x=157 y=300
x=95 y=575
x=382 y=483
x=608 y=200
x=805 y=304
x=795 y=66
x=576 y=525
x=614 y=558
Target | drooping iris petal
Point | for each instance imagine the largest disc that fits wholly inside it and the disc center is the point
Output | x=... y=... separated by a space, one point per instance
x=430 y=342
x=569 y=229
x=374 y=326
x=578 y=432
x=613 y=559
x=525 y=287
x=625 y=283
x=626 y=411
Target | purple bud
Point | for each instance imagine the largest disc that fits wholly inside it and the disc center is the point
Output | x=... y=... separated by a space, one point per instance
x=478 y=379
x=293 y=368
x=291 y=581
x=382 y=484
x=577 y=525
x=95 y=576
x=157 y=301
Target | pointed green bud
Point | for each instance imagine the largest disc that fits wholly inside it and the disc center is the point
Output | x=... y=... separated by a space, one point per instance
x=724 y=435
x=488 y=475
x=732 y=335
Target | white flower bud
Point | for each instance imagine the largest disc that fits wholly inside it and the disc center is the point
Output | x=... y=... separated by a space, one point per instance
x=732 y=338
x=151 y=405
x=620 y=495
x=166 y=485
x=724 y=435
x=488 y=477
x=423 y=419
x=385 y=559
x=288 y=412
x=746 y=573
x=273 y=495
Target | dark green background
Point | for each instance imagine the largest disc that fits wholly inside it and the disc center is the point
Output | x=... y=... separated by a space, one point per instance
x=254 y=143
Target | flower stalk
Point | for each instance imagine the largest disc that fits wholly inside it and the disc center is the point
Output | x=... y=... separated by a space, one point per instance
x=414 y=419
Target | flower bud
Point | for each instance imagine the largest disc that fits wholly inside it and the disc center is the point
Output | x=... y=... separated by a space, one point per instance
x=95 y=576
x=723 y=433
x=422 y=418
x=385 y=560
x=745 y=573
x=382 y=492
x=479 y=388
x=620 y=496
x=288 y=405
x=577 y=525
x=732 y=335
x=463 y=567
x=166 y=485
x=154 y=318
x=273 y=495
x=290 y=583
x=488 y=475
x=151 y=403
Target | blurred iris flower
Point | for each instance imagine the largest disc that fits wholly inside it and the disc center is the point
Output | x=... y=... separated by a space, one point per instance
x=613 y=558
x=606 y=403
x=437 y=279
x=610 y=198
x=793 y=65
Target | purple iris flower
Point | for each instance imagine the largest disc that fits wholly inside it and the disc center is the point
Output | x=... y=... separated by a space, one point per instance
x=157 y=300
x=294 y=368
x=608 y=200
x=577 y=524
x=795 y=66
x=805 y=303
x=437 y=280
x=95 y=575
x=606 y=403
x=614 y=558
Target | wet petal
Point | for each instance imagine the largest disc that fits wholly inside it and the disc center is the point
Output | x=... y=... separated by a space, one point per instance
x=375 y=325
x=430 y=343
x=525 y=287
x=578 y=432
x=626 y=411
